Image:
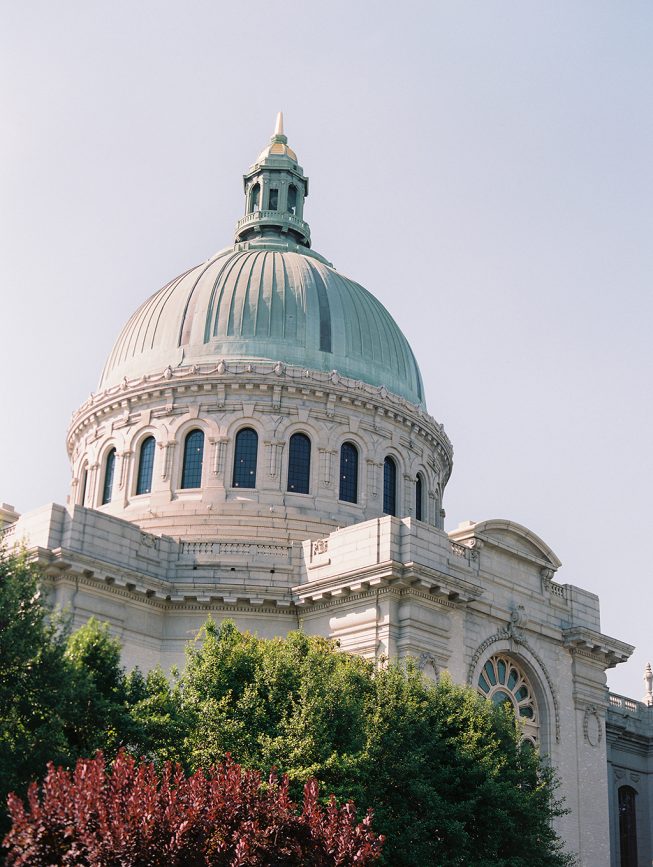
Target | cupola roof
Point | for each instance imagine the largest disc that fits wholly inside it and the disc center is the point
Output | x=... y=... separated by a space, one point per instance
x=269 y=297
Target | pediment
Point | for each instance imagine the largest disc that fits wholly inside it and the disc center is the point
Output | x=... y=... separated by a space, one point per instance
x=510 y=536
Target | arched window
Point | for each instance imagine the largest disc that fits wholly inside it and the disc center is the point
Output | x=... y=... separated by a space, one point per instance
x=245 y=458
x=419 y=497
x=389 y=486
x=503 y=682
x=254 y=197
x=191 y=474
x=628 y=826
x=349 y=473
x=109 y=469
x=145 y=466
x=273 y=200
x=292 y=199
x=82 y=487
x=299 y=464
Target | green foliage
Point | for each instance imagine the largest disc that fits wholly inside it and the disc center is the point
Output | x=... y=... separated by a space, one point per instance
x=442 y=768
x=33 y=683
x=62 y=695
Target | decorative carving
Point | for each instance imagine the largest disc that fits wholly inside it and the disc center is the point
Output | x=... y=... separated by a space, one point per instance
x=510 y=633
x=592 y=727
x=150 y=541
x=426 y=659
x=320 y=546
x=279 y=368
x=222 y=367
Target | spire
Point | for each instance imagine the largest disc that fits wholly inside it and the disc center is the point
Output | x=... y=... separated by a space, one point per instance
x=279 y=136
x=275 y=190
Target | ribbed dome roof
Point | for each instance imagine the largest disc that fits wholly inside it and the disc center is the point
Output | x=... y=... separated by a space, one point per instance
x=256 y=301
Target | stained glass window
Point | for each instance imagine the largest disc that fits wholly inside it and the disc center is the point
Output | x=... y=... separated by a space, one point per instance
x=504 y=683
x=191 y=474
x=389 y=487
x=299 y=464
x=109 y=469
x=349 y=473
x=245 y=458
x=145 y=466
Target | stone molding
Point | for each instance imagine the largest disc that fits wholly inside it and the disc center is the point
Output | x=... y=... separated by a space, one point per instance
x=512 y=633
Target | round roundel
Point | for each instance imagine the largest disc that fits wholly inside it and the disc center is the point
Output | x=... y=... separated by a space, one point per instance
x=262 y=303
x=503 y=682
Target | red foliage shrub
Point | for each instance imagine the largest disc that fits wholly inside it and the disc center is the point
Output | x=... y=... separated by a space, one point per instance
x=129 y=815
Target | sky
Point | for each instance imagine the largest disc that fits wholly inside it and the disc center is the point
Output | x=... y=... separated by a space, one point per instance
x=484 y=168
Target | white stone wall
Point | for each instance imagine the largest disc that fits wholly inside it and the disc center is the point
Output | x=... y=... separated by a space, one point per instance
x=385 y=588
x=276 y=401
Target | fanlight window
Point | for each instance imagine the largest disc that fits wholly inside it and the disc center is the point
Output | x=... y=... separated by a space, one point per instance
x=389 y=487
x=503 y=682
x=109 y=469
x=191 y=474
x=245 y=458
x=349 y=473
x=299 y=464
x=145 y=466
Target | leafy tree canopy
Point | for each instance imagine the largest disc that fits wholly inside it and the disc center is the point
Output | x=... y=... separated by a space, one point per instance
x=445 y=772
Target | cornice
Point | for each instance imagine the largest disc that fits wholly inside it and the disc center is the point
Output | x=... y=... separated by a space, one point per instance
x=600 y=648
x=205 y=379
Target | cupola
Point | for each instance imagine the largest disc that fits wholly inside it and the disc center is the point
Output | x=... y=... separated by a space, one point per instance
x=275 y=189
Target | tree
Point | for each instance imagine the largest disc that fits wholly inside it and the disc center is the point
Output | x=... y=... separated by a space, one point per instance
x=62 y=694
x=444 y=770
x=34 y=687
x=127 y=816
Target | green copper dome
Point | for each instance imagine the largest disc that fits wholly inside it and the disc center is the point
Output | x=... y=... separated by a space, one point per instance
x=268 y=298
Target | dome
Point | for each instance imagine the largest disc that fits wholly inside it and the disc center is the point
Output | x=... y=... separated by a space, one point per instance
x=255 y=301
x=269 y=297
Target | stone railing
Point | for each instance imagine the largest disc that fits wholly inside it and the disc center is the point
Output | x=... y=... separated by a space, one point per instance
x=8 y=533
x=200 y=548
x=623 y=703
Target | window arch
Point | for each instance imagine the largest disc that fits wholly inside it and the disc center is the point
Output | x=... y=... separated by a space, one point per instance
x=627 y=826
x=245 y=455
x=348 y=473
x=109 y=472
x=254 y=198
x=83 y=485
x=145 y=466
x=299 y=464
x=389 y=486
x=502 y=681
x=292 y=199
x=419 y=497
x=191 y=473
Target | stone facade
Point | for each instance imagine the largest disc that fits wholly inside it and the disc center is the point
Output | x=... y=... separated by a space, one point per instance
x=369 y=564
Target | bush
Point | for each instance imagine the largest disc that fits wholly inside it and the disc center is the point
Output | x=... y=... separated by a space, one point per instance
x=127 y=815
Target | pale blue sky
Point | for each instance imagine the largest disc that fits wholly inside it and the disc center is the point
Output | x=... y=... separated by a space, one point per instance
x=483 y=168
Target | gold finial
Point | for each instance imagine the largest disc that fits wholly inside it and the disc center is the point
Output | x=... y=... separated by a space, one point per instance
x=278 y=130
